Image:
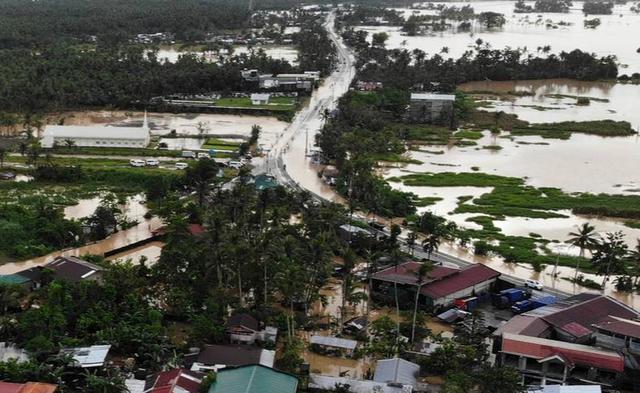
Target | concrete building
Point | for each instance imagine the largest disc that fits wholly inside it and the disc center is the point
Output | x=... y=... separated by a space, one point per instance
x=431 y=108
x=260 y=99
x=97 y=136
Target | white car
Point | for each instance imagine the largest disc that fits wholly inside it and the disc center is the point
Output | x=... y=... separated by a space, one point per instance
x=136 y=163
x=235 y=164
x=152 y=162
x=203 y=155
x=533 y=284
x=181 y=165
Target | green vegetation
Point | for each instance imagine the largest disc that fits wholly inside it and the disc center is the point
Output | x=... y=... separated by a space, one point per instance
x=219 y=144
x=464 y=179
x=467 y=134
x=426 y=201
x=632 y=224
x=113 y=151
x=395 y=157
x=584 y=282
x=275 y=103
x=561 y=129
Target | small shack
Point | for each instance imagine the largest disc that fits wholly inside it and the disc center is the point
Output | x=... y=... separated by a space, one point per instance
x=260 y=98
x=333 y=345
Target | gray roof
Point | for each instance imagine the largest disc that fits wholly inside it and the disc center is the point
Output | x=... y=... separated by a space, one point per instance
x=85 y=357
x=335 y=342
x=353 y=229
x=396 y=370
x=260 y=96
x=326 y=382
x=97 y=132
x=433 y=97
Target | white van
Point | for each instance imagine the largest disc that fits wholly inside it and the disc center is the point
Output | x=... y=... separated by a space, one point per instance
x=533 y=284
x=152 y=162
x=136 y=163
x=235 y=164
x=203 y=155
x=181 y=165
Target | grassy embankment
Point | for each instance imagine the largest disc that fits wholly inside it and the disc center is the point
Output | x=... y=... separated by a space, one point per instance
x=275 y=103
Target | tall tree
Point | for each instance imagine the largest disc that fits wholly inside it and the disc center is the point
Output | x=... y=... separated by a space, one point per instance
x=421 y=276
x=610 y=255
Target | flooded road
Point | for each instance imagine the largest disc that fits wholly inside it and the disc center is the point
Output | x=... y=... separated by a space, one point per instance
x=531 y=31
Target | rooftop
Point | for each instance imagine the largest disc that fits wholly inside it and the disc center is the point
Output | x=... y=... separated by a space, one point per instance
x=433 y=97
x=97 y=131
x=405 y=273
x=465 y=278
x=29 y=387
x=69 y=269
x=396 y=370
x=174 y=381
x=260 y=96
x=621 y=326
x=325 y=382
x=542 y=348
x=336 y=342
x=253 y=379
x=235 y=355
x=245 y=320
x=86 y=357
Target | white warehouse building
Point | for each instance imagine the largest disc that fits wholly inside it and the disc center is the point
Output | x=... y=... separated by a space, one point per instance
x=97 y=136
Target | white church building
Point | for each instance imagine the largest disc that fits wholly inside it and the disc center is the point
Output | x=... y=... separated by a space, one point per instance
x=97 y=136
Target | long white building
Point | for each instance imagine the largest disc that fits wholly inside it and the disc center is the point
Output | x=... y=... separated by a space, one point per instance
x=97 y=136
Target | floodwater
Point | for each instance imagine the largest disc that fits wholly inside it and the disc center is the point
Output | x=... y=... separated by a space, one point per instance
x=134 y=209
x=150 y=251
x=530 y=31
x=547 y=106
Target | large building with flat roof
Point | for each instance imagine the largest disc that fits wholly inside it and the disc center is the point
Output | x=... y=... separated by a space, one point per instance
x=97 y=136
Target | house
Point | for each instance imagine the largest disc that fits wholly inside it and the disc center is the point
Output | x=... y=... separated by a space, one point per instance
x=442 y=286
x=242 y=328
x=328 y=383
x=260 y=98
x=16 y=279
x=215 y=357
x=253 y=379
x=69 y=269
x=347 y=232
x=88 y=357
x=543 y=361
x=333 y=344
x=356 y=325
x=594 y=337
x=174 y=381
x=431 y=108
x=397 y=371
x=28 y=387
x=97 y=136
x=289 y=82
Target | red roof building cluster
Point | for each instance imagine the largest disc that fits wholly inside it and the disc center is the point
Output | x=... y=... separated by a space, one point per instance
x=174 y=381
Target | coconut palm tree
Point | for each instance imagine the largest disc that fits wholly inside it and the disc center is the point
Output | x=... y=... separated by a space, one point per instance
x=585 y=238
x=610 y=255
x=421 y=275
x=411 y=241
x=431 y=243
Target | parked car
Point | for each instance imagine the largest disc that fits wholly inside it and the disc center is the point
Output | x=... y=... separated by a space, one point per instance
x=235 y=164
x=136 y=163
x=181 y=165
x=203 y=155
x=152 y=162
x=534 y=284
x=188 y=154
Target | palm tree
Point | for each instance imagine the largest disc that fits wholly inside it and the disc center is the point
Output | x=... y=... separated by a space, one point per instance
x=431 y=244
x=411 y=241
x=421 y=274
x=610 y=255
x=396 y=258
x=585 y=239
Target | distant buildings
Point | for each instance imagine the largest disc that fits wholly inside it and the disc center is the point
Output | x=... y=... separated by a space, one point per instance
x=368 y=86
x=442 y=286
x=304 y=82
x=584 y=339
x=97 y=136
x=431 y=108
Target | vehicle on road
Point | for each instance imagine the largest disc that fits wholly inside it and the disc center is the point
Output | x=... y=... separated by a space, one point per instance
x=203 y=155
x=235 y=164
x=188 y=154
x=152 y=162
x=181 y=165
x=136 y=163
x=533 y=284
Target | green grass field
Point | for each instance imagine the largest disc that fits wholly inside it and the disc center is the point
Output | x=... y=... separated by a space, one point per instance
x=275 y=103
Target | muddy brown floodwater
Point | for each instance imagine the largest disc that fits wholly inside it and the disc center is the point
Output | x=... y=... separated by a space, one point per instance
x=530 y=31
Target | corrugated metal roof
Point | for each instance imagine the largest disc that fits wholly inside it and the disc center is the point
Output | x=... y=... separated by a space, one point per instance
x=625 y=327
x=326 y=382
x=396 y=370
x=335 y=342
x=433 y=97
x=260 y=96
x=468 y=277
x=14 y=279
x=253 y=379
x=405 y=273
x=93 y=356
x=97 y=132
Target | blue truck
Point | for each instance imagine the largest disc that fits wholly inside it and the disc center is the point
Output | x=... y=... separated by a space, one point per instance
x=508 y=297
x=532 y=304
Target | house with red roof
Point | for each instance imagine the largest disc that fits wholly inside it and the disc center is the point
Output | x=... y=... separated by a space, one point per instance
x=441 y=287
x=586 y=338
x=174 y=381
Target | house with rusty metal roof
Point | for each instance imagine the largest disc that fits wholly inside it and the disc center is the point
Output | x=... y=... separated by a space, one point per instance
x=174 y=381
x=441 y=287
x=29 y=387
